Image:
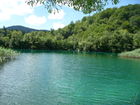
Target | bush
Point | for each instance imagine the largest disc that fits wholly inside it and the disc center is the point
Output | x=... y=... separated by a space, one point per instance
x=6 y=54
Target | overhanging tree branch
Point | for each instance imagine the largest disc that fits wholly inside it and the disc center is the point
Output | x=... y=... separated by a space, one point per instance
x=86 y=6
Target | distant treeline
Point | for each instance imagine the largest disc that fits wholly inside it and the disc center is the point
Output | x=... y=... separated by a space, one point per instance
x=112 y=30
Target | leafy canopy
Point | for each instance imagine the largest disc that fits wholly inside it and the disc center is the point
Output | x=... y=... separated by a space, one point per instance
x=112 y=30
x=86 y=6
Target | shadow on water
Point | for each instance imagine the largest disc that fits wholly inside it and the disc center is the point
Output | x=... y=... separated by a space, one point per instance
x=2 y=65
x=136 y=99
x=5 y=63
x=68 y=52
x=1 y=70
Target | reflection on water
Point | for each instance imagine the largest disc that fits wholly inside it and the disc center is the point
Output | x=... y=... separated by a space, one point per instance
x=70 y=79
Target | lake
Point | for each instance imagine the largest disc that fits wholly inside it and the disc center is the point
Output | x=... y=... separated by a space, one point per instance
x=66 y=78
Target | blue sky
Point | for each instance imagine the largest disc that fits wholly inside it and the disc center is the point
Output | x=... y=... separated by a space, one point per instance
x=17 y=12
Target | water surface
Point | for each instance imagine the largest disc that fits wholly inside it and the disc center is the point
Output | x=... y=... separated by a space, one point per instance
x=64 y=78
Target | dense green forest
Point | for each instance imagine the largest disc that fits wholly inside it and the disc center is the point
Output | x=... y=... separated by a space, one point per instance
x=112 y=30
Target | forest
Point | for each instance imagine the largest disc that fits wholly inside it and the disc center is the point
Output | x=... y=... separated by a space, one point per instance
x=111 y=30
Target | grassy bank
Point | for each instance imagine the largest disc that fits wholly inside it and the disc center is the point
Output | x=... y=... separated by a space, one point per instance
x=7 y=54
x=131 y=54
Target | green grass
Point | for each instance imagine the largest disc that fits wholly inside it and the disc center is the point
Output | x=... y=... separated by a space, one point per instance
x=7 y=54
x=131 y=54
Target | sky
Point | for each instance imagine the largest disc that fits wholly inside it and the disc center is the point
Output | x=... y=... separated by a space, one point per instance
x=17 y=12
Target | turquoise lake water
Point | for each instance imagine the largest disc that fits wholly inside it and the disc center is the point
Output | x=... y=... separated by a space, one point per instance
x=64 y=78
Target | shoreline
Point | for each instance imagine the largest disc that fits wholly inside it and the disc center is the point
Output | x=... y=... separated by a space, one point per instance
x=131 y=54
x=7 y=54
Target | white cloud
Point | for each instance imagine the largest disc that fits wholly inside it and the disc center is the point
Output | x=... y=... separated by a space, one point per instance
x=58 y=25
x=4 y=16
x=56 y=14
x=9 y=8
x=35 y=20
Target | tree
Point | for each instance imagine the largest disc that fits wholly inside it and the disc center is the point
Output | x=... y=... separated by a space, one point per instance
x=86 y=6
x=5 y=30
x=107 y=31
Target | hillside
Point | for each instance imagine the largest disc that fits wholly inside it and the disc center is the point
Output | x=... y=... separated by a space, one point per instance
x=112 y=30
x=22 y=28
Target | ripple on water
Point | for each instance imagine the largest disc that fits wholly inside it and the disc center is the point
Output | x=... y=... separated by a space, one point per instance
x=70 y=79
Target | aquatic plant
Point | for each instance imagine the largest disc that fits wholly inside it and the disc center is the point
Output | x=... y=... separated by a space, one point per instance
x=7 y=54
x=132 y=54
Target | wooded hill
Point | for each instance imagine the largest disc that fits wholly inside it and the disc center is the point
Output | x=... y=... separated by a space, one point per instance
x=112 y=30
x=22 y=28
